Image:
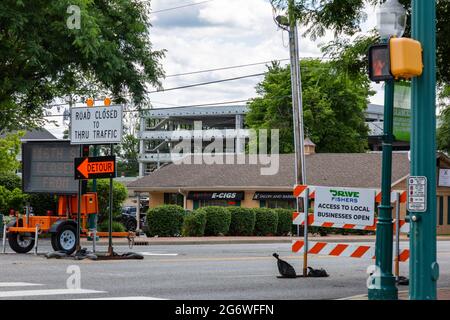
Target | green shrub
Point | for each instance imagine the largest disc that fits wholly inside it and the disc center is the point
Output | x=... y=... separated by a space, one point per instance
x=120 y=193
x=284 y=226
x=218 y=221
x=116 y=226
x=266 y=222
x=10 y=181
x=242 y=221
x=41 y=203
x=194 y=224
x=165 y=221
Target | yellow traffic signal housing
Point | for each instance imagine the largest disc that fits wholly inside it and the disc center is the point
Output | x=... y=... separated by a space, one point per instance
x=405 y=58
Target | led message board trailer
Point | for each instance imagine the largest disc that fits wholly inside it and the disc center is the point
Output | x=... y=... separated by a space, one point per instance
x=48 y=166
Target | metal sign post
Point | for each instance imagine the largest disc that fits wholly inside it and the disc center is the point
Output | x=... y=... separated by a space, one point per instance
x=80 y=187
x=397 y=236
x=110 y=245
x=305 y=233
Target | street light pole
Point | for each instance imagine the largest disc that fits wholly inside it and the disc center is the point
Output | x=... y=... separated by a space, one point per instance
x=391 y=23
x=384 y=287
x=297 y=108
x=424 y=270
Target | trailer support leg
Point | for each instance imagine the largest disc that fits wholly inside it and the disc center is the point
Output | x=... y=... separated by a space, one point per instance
x=36 y=240
x=4 y=240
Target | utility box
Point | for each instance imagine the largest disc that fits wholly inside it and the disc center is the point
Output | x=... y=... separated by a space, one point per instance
x=405 y=58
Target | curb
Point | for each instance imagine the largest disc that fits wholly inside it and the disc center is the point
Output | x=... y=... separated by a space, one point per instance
x=150 y=241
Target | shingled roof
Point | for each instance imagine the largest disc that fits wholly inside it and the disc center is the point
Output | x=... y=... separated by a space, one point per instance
x=324 y=169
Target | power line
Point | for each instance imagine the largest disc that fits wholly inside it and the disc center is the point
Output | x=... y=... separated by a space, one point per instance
x=225 y=68
x=182 y=6
x=187 y=106
x=208 y=83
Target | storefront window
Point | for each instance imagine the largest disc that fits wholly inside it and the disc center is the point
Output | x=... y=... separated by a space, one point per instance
x=174 y=198
x=216 y=203
x=278 y=204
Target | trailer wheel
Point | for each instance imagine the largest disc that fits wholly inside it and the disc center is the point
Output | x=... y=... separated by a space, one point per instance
x=65 y=239
x=20 y=243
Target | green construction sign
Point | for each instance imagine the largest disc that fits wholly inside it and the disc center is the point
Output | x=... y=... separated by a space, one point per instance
x=402 y=111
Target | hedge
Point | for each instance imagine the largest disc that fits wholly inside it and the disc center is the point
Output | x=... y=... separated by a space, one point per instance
x=165 y=221
x=242 y=221
x=194 y=224
x=266 y=222
x=116 y=226
x=284 y=226
x=120 y=194
x=218 y=221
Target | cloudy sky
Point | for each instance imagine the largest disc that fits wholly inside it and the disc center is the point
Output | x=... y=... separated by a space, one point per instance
x=215 y=34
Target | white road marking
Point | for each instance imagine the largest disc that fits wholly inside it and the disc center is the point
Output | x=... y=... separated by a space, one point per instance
x=124 y=298
x=158 y=254
x=49 y=292
x=18 y=284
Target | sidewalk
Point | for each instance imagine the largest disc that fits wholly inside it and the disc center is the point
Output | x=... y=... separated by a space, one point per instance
x=242 y=240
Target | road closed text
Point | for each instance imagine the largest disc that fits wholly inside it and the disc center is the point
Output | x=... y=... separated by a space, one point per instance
x=101 y=125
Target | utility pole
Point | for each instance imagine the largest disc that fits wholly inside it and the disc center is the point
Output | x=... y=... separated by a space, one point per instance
x=297 y=107
x=424 y=270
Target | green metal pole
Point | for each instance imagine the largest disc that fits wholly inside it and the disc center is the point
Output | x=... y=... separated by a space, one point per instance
x=92 y=218
x=424 y=270
x=384 y=283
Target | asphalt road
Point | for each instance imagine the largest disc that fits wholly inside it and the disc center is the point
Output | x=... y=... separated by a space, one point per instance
x=220 y=272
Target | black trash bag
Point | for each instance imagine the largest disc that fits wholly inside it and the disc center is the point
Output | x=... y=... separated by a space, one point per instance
x=285 y=269
x=403 y=281
x=317 y=273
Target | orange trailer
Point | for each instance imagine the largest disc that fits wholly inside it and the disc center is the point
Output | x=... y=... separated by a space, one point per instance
x=63 y=227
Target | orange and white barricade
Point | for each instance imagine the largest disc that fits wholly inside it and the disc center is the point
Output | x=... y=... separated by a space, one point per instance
x=342 y=250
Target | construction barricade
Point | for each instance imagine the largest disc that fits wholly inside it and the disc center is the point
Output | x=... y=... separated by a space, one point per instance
x=345 y=249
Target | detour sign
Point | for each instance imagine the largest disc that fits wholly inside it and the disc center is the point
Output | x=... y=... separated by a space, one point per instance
x=95 y=168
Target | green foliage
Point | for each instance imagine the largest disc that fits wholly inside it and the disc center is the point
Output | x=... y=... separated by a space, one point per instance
x=120 y=194
x=443 y=133
x=194 y=224
x=13 y=199
x=242 y=221
x=165 y=221
x=334 y=107
x=116 y=226
x=41 y=58
x=344 y=18
x=218 y=221
x=41 y=203
x=10 y=181
x=9 y=149
x=4 y=195
x=266 y=222
x=129 y=165
x=284 y=226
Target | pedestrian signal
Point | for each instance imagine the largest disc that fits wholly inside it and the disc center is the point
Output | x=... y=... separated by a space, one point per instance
x=379 y=63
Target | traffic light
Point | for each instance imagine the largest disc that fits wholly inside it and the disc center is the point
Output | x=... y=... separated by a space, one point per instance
x=400 y=58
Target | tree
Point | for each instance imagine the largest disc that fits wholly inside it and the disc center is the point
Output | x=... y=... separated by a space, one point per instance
x=344 y=18
x=129 y=164
x=44 y=55
x=9 y=149
x=443 y=133
x=120 y=194
x=334 y=105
